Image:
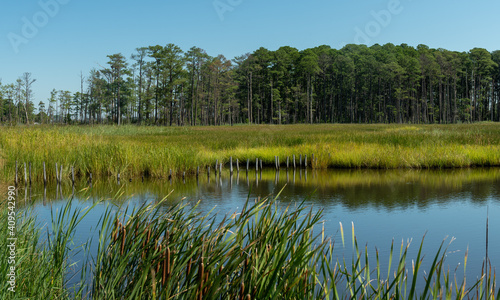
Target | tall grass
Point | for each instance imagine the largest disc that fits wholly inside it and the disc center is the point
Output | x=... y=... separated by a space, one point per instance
x=42 y=254
x=265 y=251
x=154 y=151
x=260 y=253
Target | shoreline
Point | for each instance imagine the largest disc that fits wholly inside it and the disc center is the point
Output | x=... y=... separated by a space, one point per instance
x=164 y=152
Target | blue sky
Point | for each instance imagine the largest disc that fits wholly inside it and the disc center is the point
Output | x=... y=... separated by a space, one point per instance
x=55 y=40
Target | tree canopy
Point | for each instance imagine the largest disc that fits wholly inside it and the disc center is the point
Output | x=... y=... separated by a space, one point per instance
x=355 y=84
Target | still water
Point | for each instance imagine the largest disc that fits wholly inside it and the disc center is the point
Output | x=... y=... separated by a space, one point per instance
x=382 y=206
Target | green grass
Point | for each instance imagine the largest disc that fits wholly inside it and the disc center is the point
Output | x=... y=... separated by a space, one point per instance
x=41 y=261
x=265 y=251
x=154 y=151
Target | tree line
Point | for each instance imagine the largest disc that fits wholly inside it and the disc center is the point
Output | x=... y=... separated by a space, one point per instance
x=164 y=85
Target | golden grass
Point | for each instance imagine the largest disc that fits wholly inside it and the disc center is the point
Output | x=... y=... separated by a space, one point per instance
x=154 y=151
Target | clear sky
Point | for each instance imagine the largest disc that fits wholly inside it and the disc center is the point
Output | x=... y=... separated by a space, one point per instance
x=55 y=40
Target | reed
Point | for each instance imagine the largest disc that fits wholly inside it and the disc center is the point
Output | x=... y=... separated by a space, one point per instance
x=264 y=251
x=42 y=255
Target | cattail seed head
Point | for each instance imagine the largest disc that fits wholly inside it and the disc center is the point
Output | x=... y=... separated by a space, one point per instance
x=124 y=232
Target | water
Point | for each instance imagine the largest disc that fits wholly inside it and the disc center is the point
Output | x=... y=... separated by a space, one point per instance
x=384 y=206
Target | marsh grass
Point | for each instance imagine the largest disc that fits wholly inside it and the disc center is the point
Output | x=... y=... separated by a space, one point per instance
x=154 y=151
x=42 y=254
x=264 y=251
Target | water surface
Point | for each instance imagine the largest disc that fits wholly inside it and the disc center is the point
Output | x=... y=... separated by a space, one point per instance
x=383 y=205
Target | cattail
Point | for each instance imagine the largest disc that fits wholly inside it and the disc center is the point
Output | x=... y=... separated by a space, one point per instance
x=201 y=271
x=144 y=242
x=248 y=297
x=153 y=280
x=116 y=230
x=305 y=282
x=168 y=261
x=115 y=235
x=188 y=270
x=205 y=290
x=123 y=240
x=242 y=290
x=166 y=265
x=159 y=261
x=149 y=235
